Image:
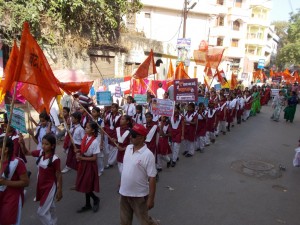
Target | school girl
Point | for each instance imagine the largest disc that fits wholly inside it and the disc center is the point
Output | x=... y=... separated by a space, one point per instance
x=96 y=114
x=201 y=128
x=77 y=132
x=248 y=105
x=152 y=133
x=129 y=107
x=49 y=183
x=210 y=123
x=67 y=123
x=110 y=125
x=163 y=147
x=123 y=139
x=13 y=179
x=44 y=127
x=85 y=115
x=222 y=115
x=190 y=130
x=139 y=117
x=177 y=130
x=87 y=180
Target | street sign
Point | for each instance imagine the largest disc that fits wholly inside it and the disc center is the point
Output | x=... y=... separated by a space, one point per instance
x=261 y=64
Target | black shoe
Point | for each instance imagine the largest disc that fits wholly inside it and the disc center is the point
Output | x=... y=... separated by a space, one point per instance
x=157 y=177
x=224 y=133
x=188 y=155
x=159 y=169
x=173 y=164
x=213 y=140
x=84 y=209
x=169 y=163
x=185 y=152
x=96 y=205
x=198 y=150
x=108 y=166
x=177 y=158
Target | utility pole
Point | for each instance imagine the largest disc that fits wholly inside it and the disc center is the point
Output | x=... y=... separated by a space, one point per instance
x=185 y=11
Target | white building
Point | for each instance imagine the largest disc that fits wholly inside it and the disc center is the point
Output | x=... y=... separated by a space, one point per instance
x=240 y=26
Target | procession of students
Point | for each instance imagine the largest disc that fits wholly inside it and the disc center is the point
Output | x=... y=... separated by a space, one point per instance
x=97 y=139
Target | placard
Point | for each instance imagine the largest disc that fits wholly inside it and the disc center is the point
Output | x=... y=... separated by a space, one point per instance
x=140 y=99
x=118 y=91
x=203 y=100
x=18 y=119
x=162 y=107
x=186 y=90
x=218 y=87
x=104 y=98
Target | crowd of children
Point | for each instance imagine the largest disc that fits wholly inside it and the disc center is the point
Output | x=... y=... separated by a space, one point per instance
x=92 y=136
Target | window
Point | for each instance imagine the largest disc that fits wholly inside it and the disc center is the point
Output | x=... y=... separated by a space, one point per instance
x=219 y=41
x=147 y=15
x=220 y=21
x=235 y=43
x=236 y=25
x=238 y=3
x=220 y=2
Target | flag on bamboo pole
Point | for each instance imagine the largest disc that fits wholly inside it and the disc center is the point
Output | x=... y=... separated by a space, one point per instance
x=233 y=81
x=9 y=72
x=221 y=80
x=146 y=68
x=207 y=81
x=271 y=73
x=207 y=70
x=180 y=72
x=286 y=74
x=170 y=75
x=32 y=70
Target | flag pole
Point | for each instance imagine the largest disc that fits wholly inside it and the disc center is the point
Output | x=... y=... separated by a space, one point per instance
x=29 y=123
x=69 y=133
x=8 y=125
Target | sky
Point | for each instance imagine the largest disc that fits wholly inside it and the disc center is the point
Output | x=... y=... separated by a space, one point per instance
x=282 y=8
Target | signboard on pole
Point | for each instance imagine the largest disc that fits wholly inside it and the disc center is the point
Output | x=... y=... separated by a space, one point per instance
x=118 y=91
x=162 y=107
x=104 y=98
x=203 y=100
x=140 y=99
x=18 y=119
x=184 y=48
x=186 y=90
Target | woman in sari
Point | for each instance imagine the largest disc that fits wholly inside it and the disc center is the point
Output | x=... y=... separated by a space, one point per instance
x=277 y=104
x=256 y=102
x=289 y=111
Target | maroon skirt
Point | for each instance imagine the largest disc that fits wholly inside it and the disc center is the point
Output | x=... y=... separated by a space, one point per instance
x=87 y=179
x=71 y=158
x=163 y=147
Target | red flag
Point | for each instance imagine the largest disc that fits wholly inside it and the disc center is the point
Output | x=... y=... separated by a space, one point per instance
x=33 y=69
x=146 y=68
x=207 y=70
x=271 y=73
x=233 y=82
x=9 y=72
x=296 y=76
x=221 y=80
x=180 y=72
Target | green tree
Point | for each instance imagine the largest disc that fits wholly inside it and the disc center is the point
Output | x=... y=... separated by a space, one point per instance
x=88 y=22
x=289 y=53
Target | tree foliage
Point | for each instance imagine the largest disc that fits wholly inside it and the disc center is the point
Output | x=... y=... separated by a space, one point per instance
x=89 y=22
x=289 y=53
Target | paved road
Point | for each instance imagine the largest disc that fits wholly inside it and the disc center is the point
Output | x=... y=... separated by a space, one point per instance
x=213 y=188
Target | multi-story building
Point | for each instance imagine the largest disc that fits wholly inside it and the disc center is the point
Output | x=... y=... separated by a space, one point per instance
x=240 y=26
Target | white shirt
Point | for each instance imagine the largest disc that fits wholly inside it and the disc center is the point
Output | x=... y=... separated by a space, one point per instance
x=129 y=109
x=160 y=93
x=137 y=168
x=42 y=133
x=78 y=134
x=93 y=148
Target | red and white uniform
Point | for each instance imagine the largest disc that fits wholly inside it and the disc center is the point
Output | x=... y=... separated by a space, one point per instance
x=151 y=136
x=123 y=138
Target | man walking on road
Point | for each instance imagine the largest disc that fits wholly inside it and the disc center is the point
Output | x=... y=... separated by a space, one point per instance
x=138 y=182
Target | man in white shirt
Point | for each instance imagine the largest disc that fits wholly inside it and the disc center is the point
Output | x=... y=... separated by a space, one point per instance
x=160 y=91
x=138 y=181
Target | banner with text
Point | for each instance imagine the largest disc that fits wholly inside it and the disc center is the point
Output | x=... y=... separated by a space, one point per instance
x=18 y=119
x=186 y=90
x=140 y=99
x=162 y=107
x=104 y=98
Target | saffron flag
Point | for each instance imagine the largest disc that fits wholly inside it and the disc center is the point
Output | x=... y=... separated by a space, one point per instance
x=296 y=76
x=233 y=82
x=9 y=72
x=180 y=72
x=146 y=68
x=220 y=77
x=213 y=55
x=286 y=74
x=170 y=75
x=33 y=70
x=271 y=73
x=207 y=70
x=207 y=81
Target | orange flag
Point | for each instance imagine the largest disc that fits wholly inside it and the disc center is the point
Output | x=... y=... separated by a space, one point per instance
x=233 y=82
x=146 y=68
x=271 y=73
x=286 y=74
x=221 y=80
x=9 y=72
x=170 y=75
x=296 y=76
x=180 y=72
x=207 y=70
x=33 y=70
x=207 y=81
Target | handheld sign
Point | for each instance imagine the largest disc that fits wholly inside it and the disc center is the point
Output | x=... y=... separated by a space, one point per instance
x=186 y=90
x=18 y=119
x=104 y=98
x=140 y=99
x=162 y=107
